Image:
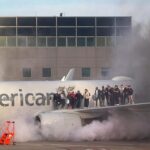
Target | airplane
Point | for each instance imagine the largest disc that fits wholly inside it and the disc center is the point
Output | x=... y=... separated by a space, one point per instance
x=34 y=100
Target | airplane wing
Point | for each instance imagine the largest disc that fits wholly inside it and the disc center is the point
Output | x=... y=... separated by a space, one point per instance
x=107 y=111
x=87 y=115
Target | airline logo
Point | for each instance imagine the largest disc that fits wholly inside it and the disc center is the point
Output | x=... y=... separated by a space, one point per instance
x=21 y=99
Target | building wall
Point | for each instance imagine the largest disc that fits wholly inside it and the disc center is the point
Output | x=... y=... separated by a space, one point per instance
x=32 y=44
x=60 y=60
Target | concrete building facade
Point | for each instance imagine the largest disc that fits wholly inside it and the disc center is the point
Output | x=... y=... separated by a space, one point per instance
x=45 y=48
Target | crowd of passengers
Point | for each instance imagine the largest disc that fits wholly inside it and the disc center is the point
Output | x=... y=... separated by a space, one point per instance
x=106 y=96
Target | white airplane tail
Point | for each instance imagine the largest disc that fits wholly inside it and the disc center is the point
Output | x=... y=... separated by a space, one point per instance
x=69 y=76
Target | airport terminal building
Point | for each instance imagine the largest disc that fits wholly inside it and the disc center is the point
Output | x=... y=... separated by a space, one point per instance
x=45 y=48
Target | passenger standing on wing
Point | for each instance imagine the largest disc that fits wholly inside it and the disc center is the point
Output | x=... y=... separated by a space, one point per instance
x=116 y=94
x=72 y=99
x=122 y=100
x=102 y=96
x=125 y=93
x=97 y=96
x=56 y=100
x=63 y=99
x=130 y=94
x=79 y=98
x=112 y=102
x=107 y=95
x=86 y=96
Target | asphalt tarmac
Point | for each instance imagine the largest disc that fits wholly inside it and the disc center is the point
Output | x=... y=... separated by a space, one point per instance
x=115 y=145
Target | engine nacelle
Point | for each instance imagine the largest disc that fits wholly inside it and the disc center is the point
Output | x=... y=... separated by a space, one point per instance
x=58 y=125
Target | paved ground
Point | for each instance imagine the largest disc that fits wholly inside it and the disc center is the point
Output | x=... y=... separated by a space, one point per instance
x=144 y=145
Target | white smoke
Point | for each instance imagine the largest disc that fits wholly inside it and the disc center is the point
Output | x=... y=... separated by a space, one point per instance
x=124 y=126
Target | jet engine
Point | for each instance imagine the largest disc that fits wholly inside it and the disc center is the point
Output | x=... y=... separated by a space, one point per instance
x=57 y=124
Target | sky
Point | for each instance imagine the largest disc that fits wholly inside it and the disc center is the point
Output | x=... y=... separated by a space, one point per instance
x=138 y=9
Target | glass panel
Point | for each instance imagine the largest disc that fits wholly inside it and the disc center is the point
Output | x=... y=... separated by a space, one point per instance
x=105 y=72
x=86 y=72
x=80 y=41
x=86 y=31
x=66 y=21
x=22 y=41
x=46 y=21
x=31 y=41
x=61 y=41
x=105 y=21
x=66 y=31
x=119 y=40
x=110 y=41
x=8 y=21
x=46 y=72
x=11 y=41
x=26 y=31
x=71 y=41
x=26 y=21
x=51 y=41
x=105 y=31
x=90 y=41
x=7 y=31
x=26 y=72
x=2 y=41
x=41 y=41
x=100 y=41
x=86 y=21
x=122 y=31
x=123 y=21
x=46 y=31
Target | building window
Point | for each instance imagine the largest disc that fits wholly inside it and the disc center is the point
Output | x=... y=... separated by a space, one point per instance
x=110 y=41
x=86 y=72
x=51 y=41
x=81 y=41
x=105 y=71
x=41 y=41
x=2 y=41
x=31 y=41
x=22 y=41
x=26 y=72
x=71 y=41
x=90 y=41
x=46 y=72
x=100 y=41
x=61 y=41
x=11 y=41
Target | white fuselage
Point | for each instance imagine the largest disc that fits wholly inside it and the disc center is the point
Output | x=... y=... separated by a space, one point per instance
x=31 y=97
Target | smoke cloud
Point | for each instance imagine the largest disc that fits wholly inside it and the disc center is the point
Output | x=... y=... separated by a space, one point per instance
x=131 y=58
x=119 y=126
